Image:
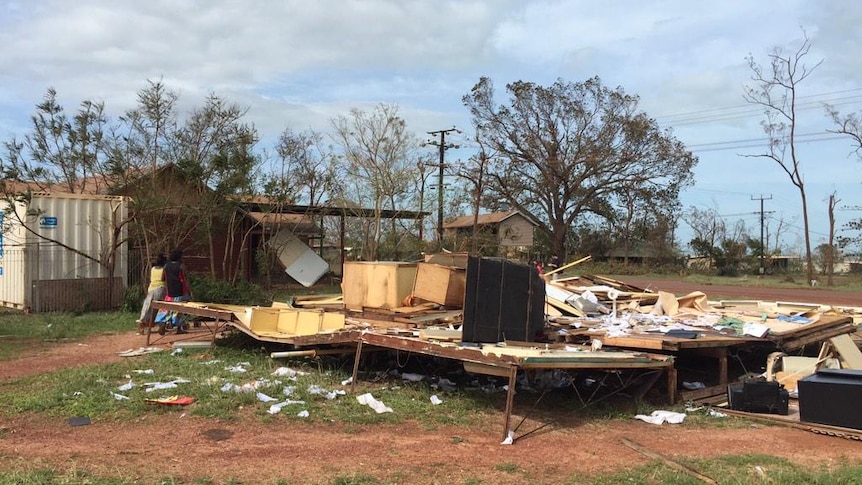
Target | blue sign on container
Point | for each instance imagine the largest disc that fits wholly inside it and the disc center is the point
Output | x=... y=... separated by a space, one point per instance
x=47 y=222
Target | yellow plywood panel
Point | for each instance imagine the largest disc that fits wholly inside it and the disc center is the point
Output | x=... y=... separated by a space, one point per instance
x=287 y=321
x=263 y=320
x=308 y=322
x=332 y=321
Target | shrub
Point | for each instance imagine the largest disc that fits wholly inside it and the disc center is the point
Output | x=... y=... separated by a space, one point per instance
x=213 y=290
x=133 y=297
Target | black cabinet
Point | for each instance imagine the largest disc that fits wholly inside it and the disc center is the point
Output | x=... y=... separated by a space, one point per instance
x=503 y=300
x=831 y=396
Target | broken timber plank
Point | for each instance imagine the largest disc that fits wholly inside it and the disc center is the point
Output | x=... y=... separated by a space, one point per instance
x=706 y=393
x=846 y=348
x=440 y=334
x=565 y=307
x=667 y=461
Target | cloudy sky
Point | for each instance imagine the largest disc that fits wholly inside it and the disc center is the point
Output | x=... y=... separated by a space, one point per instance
x=299 y=63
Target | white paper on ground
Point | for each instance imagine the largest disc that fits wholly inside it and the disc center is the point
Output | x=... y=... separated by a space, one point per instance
x=659 y=417
x=368 y=400
x=436 y=400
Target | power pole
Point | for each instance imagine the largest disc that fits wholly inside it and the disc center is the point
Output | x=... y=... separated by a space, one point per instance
x=443 y=146
x=762 y=246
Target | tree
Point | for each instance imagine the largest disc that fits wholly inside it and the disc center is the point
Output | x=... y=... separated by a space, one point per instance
x=775 y=88
x=215 y=151
x=146 y=142
x=851 y=126
x=474 y=173
x=708 y=227
x=305 y=172
x=378 y=159
x=568 y=150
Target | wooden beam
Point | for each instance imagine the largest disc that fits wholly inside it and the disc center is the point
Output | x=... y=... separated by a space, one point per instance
x=667 y=461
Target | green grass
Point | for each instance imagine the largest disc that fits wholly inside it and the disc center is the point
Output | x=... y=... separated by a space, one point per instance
x=87 y=391
x=20 y=332
x=732 y=470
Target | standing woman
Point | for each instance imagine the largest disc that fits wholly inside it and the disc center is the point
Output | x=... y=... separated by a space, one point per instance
x=178 y=287
x=155 y=292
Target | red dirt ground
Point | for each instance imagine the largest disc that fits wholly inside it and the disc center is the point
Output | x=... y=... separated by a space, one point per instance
x=249 y=451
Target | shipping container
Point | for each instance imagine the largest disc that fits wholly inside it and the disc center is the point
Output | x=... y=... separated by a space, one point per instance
x=62 y=252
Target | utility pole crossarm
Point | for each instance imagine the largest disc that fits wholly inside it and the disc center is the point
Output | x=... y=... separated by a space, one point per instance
x=442 y=149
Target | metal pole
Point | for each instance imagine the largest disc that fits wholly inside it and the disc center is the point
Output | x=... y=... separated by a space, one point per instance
x=441 y=145
x=440 y=188
x=762 y=269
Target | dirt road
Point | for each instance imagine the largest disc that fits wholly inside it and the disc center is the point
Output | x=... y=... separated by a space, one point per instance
x=818 y=294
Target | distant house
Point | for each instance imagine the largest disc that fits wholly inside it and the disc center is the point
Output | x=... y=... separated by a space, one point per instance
x=509 y=229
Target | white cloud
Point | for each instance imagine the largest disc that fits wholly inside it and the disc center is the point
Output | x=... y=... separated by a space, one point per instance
x=299 y=63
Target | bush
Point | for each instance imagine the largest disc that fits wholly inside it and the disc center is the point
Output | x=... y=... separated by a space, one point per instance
x=213 y=290
x=133 y=297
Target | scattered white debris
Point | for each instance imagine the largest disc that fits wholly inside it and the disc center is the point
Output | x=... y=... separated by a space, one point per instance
x=347 y=381
x=144 y=371
x=660 y=417
x=276 y=408
x=510 y=438
x=127 y=386
x=153 y=386
x=755 y=329
x=436 y=400
x=368 y=400
x=288 y=372
x=119 y=397
x=715 y=414
x=302 y=414
x=264 y=398
x=407 y=376
x=446 y=384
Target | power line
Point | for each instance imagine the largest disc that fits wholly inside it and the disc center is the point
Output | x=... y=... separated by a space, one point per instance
x=749 y=105
x=751 y=112
x=757 y=145
x=749 y=140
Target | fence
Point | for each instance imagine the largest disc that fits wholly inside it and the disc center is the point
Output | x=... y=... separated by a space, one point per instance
x=47 y=278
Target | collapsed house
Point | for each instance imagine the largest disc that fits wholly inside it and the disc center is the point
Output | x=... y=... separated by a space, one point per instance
x=499 y=318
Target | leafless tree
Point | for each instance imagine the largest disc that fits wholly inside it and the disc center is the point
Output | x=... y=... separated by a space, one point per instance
x=379 y=163
x=775 y=87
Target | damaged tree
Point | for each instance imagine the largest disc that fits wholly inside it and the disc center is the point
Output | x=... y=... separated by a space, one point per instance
x=568 y=151
x=775 y=89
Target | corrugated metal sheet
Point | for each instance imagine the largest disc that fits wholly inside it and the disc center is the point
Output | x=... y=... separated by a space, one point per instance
x=69 y=234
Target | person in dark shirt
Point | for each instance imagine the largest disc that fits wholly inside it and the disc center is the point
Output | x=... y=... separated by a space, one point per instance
x=178 y=287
